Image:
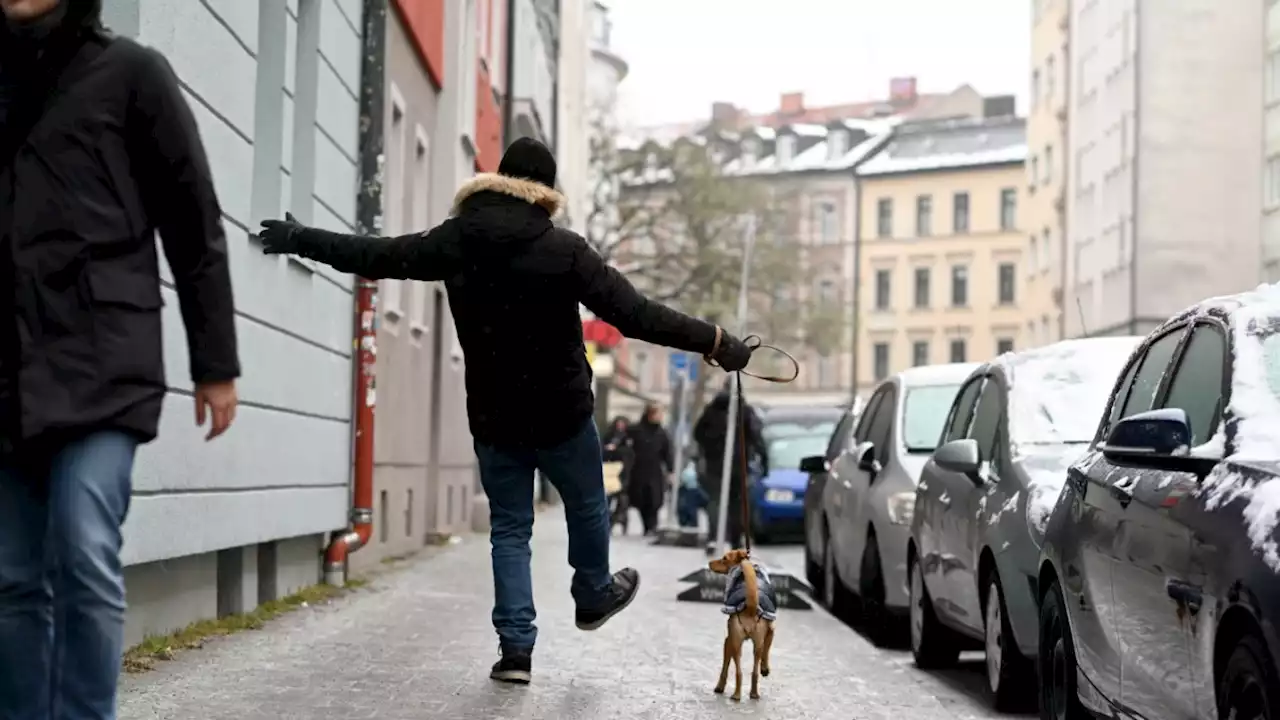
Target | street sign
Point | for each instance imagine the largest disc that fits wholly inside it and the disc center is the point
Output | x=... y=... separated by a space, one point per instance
x=709 y=587
x=682 y=365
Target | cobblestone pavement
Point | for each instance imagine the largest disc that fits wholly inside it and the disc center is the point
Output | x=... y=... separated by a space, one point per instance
x=417 y=644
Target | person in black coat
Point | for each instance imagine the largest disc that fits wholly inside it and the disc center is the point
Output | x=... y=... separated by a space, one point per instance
x=647 y=485
x=616 y=447
x=98 y=151
x=515 y=284
x=710 y=432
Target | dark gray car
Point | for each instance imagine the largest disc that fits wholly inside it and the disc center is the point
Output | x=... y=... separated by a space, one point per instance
x=1160 y=582
x=1015 y=426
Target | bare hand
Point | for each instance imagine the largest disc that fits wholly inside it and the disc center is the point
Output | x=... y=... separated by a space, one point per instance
x=218 y=401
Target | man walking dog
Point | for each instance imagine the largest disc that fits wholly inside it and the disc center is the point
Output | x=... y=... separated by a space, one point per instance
x=98 y=150
x=515 y=282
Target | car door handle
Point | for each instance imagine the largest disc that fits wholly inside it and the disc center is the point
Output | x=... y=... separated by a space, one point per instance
x=1184 y=593
x=1122 y=493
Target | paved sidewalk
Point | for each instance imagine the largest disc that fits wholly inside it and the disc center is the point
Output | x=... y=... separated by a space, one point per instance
x=417 y=644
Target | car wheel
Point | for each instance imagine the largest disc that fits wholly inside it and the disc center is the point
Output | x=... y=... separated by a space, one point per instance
x=834 y=594
x=1057 y=661
x=880 y=625
x=1008 y=671
x=1247 y=687
x=933 y=644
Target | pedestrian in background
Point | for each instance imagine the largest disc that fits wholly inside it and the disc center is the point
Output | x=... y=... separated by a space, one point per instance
x=711 y=432
x=515 y=283
x=98 y=151
x=618 y=456
x=647 y=483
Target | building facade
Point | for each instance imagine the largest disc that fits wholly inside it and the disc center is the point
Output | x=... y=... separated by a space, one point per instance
x=1271 y=125
x=941 y=271
x=573 y=112
x=220 y=527
x=535 y=28
x=1045 y=214
x=1164 y=167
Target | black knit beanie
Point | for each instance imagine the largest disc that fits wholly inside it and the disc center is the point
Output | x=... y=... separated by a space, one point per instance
x=529 y=159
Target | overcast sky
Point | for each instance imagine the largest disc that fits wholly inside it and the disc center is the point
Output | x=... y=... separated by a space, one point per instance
x=685 y=54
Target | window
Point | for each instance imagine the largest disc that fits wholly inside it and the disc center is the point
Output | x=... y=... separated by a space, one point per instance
x=1197 y=383
x=419 y=192
x=392 y=291
x=1007 y=283
x=882 y=424
x=960 y=213
x=959 y=351
x=1147 y=381
x=986 y=422
x=1048 y=164
x=1046 y=250
x=1033 y=252
x=824 y=217
x=884 y=290
x=1004 y=345
x=919 y=353
x=880 y=353
x=826 y=292
x=884 y=217
x=786 y=149
x=959 y=286
x=837 y=144
x=962 y=411
x=840 y=437
x=922 y=288
x=924 y=414
x=1050 y=92
x=864 y=422
x=1008 y=209
x=924 y=216
x=1273 y=76
x=1035 y=88
x=1033 y=175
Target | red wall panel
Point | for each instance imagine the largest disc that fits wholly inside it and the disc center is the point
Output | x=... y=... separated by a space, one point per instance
x=488 y=123
x=425 y=20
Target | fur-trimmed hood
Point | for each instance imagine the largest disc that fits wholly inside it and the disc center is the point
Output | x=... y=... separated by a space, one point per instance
x=529 y=191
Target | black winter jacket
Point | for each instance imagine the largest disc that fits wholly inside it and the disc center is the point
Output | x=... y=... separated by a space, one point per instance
x=515 y=283
x=100 y=150
x=710 y=433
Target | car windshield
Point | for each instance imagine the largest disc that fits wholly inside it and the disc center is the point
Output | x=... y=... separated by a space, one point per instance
x=924 y=413
x=785 y=453
x=1058 y=393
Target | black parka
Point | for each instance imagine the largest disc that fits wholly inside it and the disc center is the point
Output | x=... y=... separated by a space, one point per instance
x=101 y=151
x=515 y=283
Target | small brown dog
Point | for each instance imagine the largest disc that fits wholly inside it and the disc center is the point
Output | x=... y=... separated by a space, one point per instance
x=747 y=620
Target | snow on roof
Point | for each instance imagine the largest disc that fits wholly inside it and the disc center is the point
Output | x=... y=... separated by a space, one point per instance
x=807 y=130
x=951 y=145
x=948 y=374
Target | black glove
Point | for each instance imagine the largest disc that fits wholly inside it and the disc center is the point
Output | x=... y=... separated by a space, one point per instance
x=732 y=354
x=280 y=237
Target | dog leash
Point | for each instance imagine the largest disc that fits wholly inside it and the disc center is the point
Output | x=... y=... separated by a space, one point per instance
x=753 y=343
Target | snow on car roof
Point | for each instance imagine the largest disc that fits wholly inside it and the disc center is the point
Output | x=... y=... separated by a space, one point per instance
x=1058 y=392
x=949 y=374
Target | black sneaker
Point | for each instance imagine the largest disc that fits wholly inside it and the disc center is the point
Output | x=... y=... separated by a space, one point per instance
x=626 y=582
x=514 y=667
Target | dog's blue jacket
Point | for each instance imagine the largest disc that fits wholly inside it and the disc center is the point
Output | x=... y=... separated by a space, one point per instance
x=735 y=593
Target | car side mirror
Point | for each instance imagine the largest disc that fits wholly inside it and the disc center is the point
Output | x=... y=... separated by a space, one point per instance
x=814 y=465
x=960 y=456
x=1156 y=439
x=867 y=461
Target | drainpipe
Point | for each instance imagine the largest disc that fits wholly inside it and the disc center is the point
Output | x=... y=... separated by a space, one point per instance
x=508 y=96
x=368 y=222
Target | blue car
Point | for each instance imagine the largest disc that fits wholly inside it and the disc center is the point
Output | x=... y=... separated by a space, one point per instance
x=777 y=499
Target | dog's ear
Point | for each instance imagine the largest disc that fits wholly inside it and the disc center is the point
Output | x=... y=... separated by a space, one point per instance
x=736 y=557
x=719 y=566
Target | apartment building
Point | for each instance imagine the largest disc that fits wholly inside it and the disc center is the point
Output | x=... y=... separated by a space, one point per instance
x=535 y=28
x=1045 y=213
x=1164 y=201
x=220 y=527
x=808 y=158
x=942 y=246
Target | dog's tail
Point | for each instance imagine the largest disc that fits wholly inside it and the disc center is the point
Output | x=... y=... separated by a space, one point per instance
x=752 y=586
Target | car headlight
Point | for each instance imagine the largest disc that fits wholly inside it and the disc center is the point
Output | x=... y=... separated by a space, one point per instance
x=779 y=495
x=902 y=508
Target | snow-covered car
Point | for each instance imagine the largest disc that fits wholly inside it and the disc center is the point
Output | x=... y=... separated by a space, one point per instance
x=1014 y=428
x=1160 y=583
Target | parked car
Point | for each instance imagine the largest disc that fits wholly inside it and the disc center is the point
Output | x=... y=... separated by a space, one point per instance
x=863 y=489
x=791 y=434
x=1160 y=582
x=1015 y=426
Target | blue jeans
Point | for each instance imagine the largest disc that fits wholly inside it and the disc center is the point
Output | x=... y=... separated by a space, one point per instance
x=575 y=469
x=61 y=583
